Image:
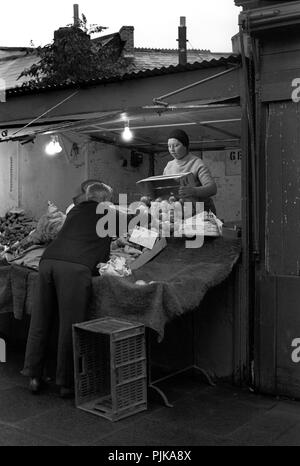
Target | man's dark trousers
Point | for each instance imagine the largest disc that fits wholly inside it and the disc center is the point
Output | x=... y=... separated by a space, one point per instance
x=64 y=288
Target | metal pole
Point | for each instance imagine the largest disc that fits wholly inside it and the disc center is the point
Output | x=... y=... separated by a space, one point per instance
x=182 y=42
x=76 y=15
x=157 y=100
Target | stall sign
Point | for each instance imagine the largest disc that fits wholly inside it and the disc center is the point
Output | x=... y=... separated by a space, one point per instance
x=143 y=237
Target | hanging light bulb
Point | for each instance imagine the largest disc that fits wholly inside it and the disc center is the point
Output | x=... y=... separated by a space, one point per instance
x=127 y=134
x=53 y=147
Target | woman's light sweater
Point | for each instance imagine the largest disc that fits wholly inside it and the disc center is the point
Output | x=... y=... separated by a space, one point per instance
x=202 y=176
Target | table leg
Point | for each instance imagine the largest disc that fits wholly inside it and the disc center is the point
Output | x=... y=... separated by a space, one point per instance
x=152 y=383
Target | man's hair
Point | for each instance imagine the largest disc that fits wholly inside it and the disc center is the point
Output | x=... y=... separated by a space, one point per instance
x=99 y=192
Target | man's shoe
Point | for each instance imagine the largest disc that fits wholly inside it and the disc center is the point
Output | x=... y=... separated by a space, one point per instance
x=35 y=385
x=66 y=392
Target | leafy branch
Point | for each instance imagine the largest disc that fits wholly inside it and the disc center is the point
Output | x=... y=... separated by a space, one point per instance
x=73 y=57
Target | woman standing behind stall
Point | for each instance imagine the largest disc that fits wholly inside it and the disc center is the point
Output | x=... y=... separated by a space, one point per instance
x=184 y=161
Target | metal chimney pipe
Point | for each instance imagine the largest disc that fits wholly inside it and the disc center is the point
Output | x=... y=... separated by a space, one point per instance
x=76 y=15
x=182 y=42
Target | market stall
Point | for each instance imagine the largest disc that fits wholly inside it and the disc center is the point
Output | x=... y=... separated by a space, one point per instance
x=209 y=108
x=152 y=284
x=172 y=285
x=175 y=282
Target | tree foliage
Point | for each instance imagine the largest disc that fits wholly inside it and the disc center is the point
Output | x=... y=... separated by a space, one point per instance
x=74 y=57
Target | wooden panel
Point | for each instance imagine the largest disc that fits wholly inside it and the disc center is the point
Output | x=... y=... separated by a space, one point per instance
x=280 y=58
x=240 y=323
x=276 y=20
x=290 y=219
x=274 y=240
x=288 y=330
x=261 y=175
x=282 y=190
x=281 y=61
x=277 y=85
x=281 y=42
x=265 y=336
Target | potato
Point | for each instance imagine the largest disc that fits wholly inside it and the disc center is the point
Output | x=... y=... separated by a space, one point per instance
x=177 y=206
x=146 y=200
x=164 y=206
x=166 y=228
x=142 y=209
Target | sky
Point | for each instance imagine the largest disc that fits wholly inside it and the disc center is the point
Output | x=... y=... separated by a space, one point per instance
x=210 y=23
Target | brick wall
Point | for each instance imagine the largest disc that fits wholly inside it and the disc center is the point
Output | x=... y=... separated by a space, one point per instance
x=112 y=165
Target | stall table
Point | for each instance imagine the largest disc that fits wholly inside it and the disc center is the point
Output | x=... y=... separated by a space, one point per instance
x=176 y=282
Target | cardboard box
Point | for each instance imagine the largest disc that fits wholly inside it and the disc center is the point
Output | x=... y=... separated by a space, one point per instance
x=164 y=186
x=148 y=255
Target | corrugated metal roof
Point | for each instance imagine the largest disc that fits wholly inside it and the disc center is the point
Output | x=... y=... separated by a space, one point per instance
x=149 y=59
x=146 y=62
x=231 y=60
x=14 y=60
x=9 y=51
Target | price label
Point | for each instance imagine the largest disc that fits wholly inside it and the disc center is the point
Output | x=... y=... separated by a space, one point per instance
x=143 y=237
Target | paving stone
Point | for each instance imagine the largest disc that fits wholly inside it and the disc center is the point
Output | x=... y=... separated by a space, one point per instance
x=292 y=408
x=202 y=415
x=5 y=384
x=71 y=425
x=264 y=429
x=150 y=433
x=12 y=436
x=290 y=437
x=210 y=414
x=184 y=382
x=244 y=395
x=10 y=371
x=18 y=403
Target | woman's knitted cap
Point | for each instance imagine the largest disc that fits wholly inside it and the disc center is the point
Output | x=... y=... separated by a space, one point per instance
x=180 y=135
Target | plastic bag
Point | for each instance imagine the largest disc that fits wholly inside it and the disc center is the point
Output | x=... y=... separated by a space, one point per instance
x=48 y=225
x=115 y=266
x=204 y=224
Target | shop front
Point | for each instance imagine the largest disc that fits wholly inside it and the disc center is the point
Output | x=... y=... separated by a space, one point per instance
x=209 y=301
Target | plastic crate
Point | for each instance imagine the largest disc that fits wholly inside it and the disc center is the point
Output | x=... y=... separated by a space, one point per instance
x=110 y=367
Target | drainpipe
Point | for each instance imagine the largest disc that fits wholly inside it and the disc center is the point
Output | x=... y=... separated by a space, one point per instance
x=182 y=41
x=253 y=147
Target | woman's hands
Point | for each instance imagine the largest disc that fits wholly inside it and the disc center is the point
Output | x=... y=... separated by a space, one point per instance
x=187 y=191
x=199 y=192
